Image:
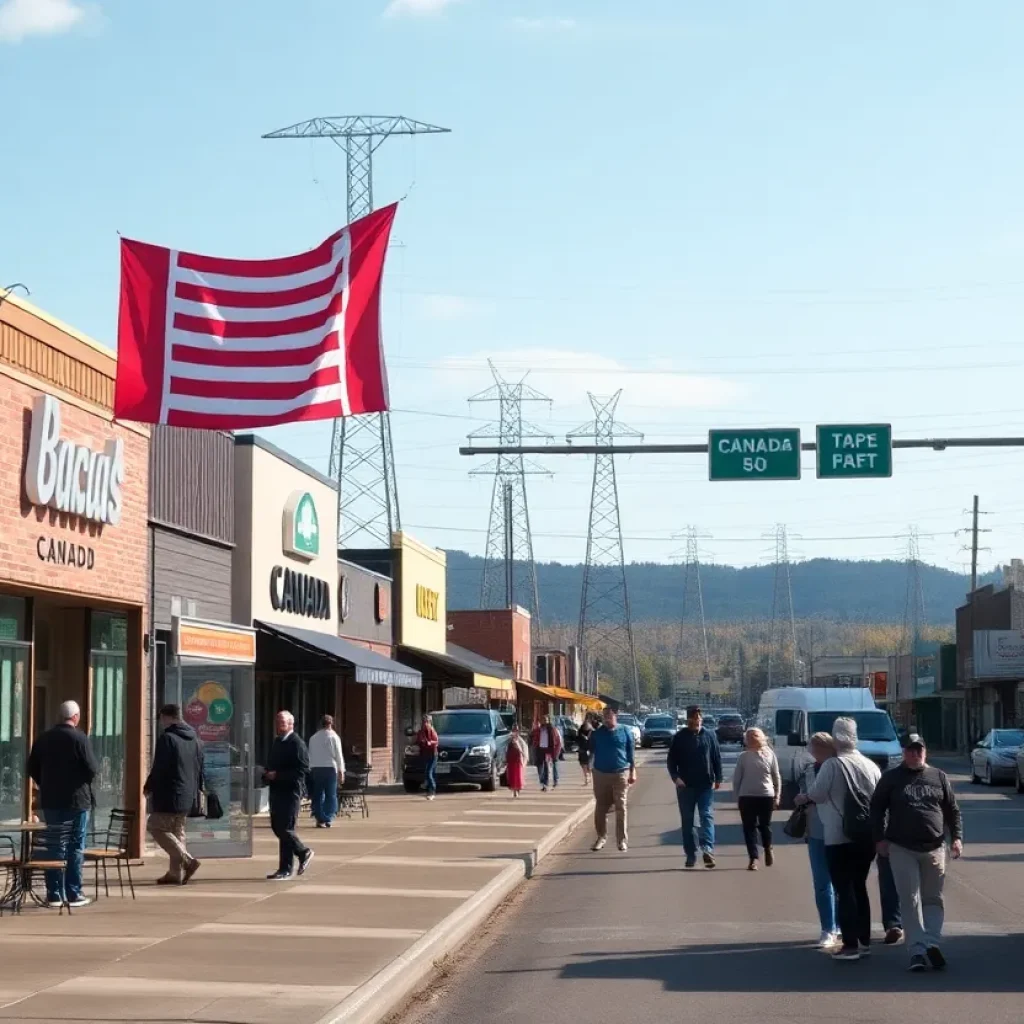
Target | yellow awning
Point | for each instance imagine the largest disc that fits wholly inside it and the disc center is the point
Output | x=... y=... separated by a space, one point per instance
x=572 y=697
x=491 y=682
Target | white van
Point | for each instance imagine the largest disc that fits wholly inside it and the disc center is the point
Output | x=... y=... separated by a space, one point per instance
x=789 y=716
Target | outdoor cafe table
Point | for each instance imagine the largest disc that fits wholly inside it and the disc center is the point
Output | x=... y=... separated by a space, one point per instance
x=22 y=887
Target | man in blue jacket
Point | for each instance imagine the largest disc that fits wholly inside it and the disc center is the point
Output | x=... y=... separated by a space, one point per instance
x=695 y=764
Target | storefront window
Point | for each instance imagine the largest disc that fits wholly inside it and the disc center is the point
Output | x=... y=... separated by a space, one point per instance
x=14 y=659
x=108 y=661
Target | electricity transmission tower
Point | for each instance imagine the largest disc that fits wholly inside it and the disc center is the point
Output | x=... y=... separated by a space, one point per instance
x=913 y=605
x=783 y=653
x=693 y=604
x=510 y=574
x=362 y=456
x=605 y=623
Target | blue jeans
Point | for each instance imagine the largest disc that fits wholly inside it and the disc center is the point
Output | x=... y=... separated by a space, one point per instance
x=888 y=896
x=703 y=802
x=72 y=855
x=549 y=770
x=325 y=793
x=431 y=779
x=824 y=894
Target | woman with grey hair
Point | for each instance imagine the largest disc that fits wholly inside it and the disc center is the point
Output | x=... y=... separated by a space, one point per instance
x=841 y=793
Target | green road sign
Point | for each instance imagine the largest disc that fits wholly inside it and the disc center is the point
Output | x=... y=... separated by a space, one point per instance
x=754 y=454
x=855 y=450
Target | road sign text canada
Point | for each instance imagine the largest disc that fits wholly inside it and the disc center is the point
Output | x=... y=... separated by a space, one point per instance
x=855 y=450
x=754 y=454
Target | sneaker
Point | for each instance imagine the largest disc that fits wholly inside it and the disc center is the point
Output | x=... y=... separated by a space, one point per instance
x=936 y=958
x=167 y=880
x=430 y=796
x=543 y=789
x=54 y=904
x=190 y=871
x=599 y=844
x=893 y=936
x=865 y=948
x=279 y=876
x=691 y=862
x=827 y=940
x=304 y=861
x=769 y=857
x=846 y=953
x=623 y=846
x=79 y=901
x=752 y=866
x=917 y=963
x=709 y=860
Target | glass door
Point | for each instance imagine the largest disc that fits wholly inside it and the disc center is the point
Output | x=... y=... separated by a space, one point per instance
x=217 y=701
x=13 y=728
x=108 y=663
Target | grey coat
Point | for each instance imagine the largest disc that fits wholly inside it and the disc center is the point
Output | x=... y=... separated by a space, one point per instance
x=828 y=790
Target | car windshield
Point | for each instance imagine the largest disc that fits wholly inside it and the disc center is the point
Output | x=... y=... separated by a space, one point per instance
x=627 y=720
x=1008 y=738
x=451 y=724
x=660 y=723
x=730 y=719
x=873 y=726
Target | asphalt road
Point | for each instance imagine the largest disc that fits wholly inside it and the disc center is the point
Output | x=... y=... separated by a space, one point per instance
x=612 y=937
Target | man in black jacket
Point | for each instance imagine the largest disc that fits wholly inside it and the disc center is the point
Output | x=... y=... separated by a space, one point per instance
x=173 y=787
x=62 y=765
x=912 y=809
x=285 y=774
x=695 y=767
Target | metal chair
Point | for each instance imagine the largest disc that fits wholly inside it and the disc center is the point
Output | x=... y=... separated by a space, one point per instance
x=47 y=851
x=9 y=863
x=111 y=845
x=352 y=792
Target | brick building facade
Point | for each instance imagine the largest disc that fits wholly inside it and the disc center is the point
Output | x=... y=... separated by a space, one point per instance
x=74 y=552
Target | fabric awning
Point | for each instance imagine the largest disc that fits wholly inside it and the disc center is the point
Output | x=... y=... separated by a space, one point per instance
x=370 y=667
x=466 y=666
x=565 y=696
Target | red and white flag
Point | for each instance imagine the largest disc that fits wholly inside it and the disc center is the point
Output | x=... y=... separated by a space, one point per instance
x=229 y=344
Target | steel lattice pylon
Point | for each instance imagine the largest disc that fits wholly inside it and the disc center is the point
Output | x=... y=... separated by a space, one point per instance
x=510 y=574
x=782 y=645
x=604 y=605
x=362 y=454
x=693 y=603
x=913 y=607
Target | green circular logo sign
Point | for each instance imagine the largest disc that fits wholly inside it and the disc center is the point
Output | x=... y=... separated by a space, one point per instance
x=221 y=710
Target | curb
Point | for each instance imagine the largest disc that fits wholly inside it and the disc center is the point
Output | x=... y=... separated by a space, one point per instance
x=387 y=990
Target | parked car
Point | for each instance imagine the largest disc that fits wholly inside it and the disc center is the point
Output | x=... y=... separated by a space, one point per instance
x=994 y=759
x=630 y=722
x=569 y=730
x=658 y=729
x=471 y=748
x=1020 y=770
x=730 y=728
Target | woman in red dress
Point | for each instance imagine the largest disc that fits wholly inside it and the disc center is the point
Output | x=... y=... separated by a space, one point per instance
x=515 y=762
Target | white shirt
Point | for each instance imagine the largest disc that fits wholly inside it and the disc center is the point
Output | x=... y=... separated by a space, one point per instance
x=325 y=751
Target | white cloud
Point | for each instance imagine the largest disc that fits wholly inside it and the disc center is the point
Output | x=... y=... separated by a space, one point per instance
x=450 y=307
x=20 y=19
x=417 y=8
x=549 y=24
x=567 y=377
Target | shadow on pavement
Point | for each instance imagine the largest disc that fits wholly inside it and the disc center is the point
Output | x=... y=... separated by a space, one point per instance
x=1006 y=858
x=977 y=964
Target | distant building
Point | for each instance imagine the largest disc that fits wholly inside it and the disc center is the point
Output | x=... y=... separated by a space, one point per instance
x=844 y=670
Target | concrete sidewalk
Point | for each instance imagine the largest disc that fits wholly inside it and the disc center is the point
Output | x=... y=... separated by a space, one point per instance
x=382 y=900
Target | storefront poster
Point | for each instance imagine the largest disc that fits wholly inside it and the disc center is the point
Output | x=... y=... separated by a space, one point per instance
x=209 y=709
x=998 y=654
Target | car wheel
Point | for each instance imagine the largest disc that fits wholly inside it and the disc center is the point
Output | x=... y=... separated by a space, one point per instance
x=1020 y=782
x=410 y=786
x=492 y=783
x=988 y=775
x=974 y=776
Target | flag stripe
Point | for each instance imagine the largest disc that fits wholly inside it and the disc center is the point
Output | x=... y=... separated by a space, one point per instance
x=241 y=406
x=256 y=391
x=228 y=357
x=251 y=421
x=234 y=299
x=230 y=329
x=281 y=267
x=236 y=315
x=243 y=374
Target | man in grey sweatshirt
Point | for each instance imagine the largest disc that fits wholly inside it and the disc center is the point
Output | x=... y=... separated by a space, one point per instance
x=912 y=809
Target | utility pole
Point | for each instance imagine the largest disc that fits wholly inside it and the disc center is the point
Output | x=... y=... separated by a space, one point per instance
x=362 y=455
x=783 y=627
x=604 y=605
x=693 y=601
x=509 y=551
x=974 y=547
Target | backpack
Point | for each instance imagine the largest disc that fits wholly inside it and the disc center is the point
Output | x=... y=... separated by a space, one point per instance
x=856 y=812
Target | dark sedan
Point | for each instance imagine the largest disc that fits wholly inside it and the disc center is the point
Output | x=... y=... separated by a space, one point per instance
x=658 y=729
x=729 y=729
x=471 y=748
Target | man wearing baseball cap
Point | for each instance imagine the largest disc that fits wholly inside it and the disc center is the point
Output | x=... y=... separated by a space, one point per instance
x=912 y=809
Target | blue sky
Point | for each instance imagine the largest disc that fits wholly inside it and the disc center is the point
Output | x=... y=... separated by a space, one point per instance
x=741 y=214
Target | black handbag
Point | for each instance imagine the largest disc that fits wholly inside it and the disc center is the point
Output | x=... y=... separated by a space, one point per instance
x=198 y=806
x=214 y=808
x=796 y=826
